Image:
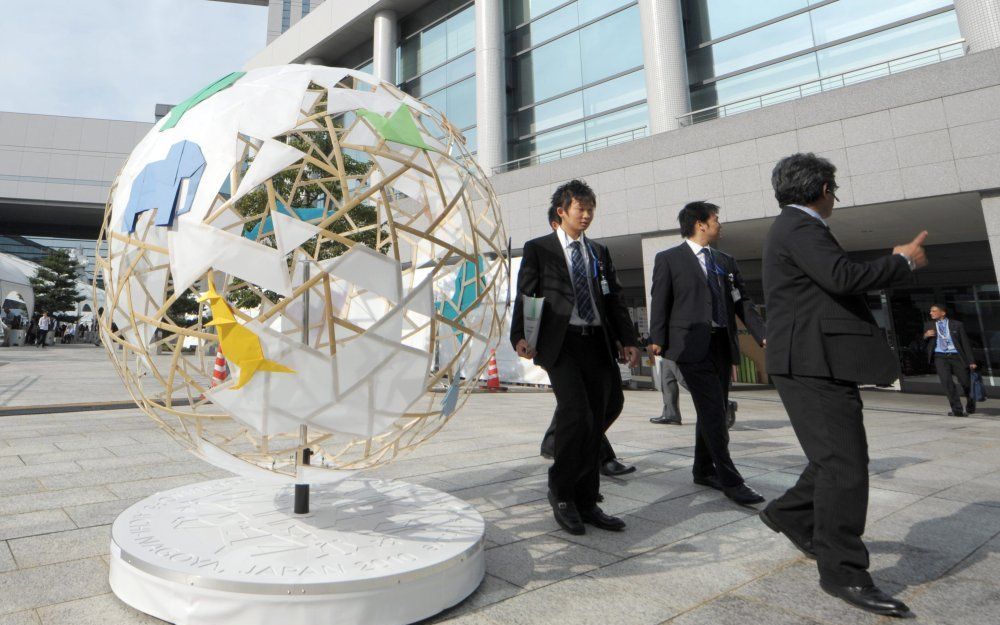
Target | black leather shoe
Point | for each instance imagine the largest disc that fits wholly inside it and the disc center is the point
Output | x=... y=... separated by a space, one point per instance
x=970 y=410
x=546 y=453
x=743 y=494
x=711 y=481
x=596 y=517
x=956 y=414
x=664 y=421
x=567 y=515
x=615 y=467
x=803 y=545
x=868 y=598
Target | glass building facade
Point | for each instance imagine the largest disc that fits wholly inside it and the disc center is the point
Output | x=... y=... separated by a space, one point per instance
x=575 y=73
x=738 y=49
x=436 y=61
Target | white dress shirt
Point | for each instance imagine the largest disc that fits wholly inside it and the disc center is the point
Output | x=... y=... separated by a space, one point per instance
x=565 y=240
x=702 y=261
x=697 y=254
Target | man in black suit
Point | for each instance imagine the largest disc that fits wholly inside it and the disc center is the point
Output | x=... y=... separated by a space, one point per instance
x=610 y=464
x=822 y=341
x=949 y=350
x=582 y=319
x=696 y=296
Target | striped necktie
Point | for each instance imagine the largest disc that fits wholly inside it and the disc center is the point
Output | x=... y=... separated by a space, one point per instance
x=718 y=304
x=581 y=289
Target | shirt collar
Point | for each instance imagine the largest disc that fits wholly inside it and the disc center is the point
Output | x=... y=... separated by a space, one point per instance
x=565 y=240
x=810 y=212
x=695 y=247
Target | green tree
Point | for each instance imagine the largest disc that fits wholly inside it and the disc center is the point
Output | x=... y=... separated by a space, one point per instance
x=255 y=203
x=55 y=283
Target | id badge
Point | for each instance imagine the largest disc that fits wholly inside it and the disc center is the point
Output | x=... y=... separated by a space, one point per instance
x=605 y=289
x=736 y=295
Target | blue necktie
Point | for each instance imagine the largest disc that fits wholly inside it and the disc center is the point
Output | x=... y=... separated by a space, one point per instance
x=581 y=289
x=718 y=304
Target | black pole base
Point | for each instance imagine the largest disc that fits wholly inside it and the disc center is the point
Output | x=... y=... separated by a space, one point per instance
x=301 y=499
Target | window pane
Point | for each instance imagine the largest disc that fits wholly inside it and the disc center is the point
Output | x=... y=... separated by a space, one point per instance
x=461 y=29
x=544 y=29
x=758 y=46
x=549 y=70
x=849 y=17
x=549 y=141
x=461 y=103
x=590 y=9
x=437 y=101
x=431 y=81
x=471 y=136
x=711 y=19
x=461 y=67
x=898 y=42
x=433 y=49
x=520 y=11
x=764 y=80
x=614 y=93
x=611 y=45
x=614 y=123
x=551 y=114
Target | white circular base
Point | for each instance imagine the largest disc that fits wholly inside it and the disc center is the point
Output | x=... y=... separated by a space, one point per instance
x=232 y=552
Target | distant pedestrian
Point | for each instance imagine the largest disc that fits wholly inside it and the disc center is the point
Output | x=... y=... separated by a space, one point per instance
x=44 y=325
x=949 y=350
x=670 y=380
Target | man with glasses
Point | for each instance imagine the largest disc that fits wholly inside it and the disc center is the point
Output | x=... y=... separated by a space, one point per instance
x=822 y=341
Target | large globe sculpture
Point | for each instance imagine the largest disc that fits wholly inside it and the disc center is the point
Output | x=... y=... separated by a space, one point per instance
x=331 y=240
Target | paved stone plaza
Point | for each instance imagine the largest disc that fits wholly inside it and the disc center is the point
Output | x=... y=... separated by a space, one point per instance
x=688 y=556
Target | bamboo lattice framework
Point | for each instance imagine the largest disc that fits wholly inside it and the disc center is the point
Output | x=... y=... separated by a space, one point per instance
x=385 y=264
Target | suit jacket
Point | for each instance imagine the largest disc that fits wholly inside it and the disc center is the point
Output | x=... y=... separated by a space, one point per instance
x=544 y=274
x=680 y=316
x=958 y=337
x=818 y=319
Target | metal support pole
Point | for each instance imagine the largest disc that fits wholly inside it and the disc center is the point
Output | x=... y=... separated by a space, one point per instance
x=305 y=455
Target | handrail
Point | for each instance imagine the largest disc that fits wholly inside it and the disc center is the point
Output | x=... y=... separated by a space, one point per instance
x=572 y=150
x=950 y=50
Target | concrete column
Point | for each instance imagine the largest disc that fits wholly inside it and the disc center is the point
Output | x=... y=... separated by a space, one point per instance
x=667 y=90
x=385 y=38
x=991 y=215
x=979 y=23
x=491 y=85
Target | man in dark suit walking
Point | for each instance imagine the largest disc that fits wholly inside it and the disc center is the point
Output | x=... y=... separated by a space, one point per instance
x=822 y=341
x=582 y=320
x=949 y=350
x=610 y=464
x=697 y=294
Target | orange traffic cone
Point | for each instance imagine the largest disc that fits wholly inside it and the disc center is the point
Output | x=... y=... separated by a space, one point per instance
x=221 y=371
x=492 y=375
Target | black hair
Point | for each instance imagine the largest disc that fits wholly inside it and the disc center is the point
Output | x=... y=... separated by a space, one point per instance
x=940 y=307
x=694 y=212
x=799 y=179
x=573 y=190
x=554 y=215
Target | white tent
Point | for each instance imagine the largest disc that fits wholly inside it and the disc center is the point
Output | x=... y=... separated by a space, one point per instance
x=14 y=274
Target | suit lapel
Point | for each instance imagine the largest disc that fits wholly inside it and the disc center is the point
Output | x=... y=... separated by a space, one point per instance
x=554 y=247
x=694 y=267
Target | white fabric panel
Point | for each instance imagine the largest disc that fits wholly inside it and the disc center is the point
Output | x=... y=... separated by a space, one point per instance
x=272 y=157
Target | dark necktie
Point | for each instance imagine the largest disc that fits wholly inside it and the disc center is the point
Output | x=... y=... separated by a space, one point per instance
x=718 y=304
x=581 y=289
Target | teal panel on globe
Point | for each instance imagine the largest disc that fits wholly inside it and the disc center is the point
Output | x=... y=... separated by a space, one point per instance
x=305 y=214
x=470 y=283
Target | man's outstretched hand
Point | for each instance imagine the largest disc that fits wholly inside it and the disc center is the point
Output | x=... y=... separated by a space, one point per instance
x=914 y=250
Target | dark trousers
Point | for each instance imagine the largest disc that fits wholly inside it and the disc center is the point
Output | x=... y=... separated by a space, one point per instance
x=583 y=379
x=949 y=365
x=829 y=503
x=617 y=402
x=708 y=382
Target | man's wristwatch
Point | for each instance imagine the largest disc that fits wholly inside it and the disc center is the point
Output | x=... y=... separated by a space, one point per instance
x=909 y=261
